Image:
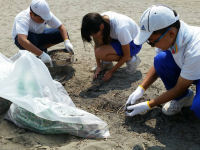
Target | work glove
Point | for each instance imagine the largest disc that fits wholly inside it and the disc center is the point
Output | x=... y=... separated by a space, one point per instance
x=45 y=58
x=68 y=46
x=139 y=108
x=137 y=94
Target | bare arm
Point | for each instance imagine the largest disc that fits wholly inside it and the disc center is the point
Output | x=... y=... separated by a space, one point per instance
x=63 y=32
x=180 y=87
x=25 y=43
x=98 y=42
x=150 y=78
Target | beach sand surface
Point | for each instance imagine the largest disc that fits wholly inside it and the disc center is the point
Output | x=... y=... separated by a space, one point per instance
x=152 y=131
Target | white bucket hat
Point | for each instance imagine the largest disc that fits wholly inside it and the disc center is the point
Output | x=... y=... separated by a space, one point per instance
x=41 y=8
x=154 y=18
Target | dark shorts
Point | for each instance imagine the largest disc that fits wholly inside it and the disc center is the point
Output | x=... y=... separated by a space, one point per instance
x=134 y=49
x=49 y=36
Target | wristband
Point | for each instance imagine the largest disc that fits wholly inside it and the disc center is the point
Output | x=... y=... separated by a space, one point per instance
x=141 y=87
x=148 y=104
x=66 y=39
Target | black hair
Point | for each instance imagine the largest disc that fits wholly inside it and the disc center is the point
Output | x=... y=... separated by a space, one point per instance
x=91 y=24
x=176 y=25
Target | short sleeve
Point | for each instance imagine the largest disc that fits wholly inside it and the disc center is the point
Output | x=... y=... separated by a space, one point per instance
x=190 y=69
x=124 y=36
x=54 y=22
x=22 y=26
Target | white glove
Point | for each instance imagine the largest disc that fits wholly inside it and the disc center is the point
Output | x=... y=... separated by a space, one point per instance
x=45 y=57
x=137 y=94
x=137 y=109
x=68 y=46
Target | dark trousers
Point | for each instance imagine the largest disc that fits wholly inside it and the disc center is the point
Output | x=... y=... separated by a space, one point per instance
x=49 y=36
x=167 y=69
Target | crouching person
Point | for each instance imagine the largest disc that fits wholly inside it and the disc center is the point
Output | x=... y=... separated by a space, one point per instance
x=30 y=31
x=176 y=63
x=113 y=35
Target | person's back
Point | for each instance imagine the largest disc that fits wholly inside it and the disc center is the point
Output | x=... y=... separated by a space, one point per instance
x=123 y=28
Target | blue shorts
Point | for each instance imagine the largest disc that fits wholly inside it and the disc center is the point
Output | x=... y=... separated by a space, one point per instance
x=134 y=49
x=49 y=36
x=169 y=72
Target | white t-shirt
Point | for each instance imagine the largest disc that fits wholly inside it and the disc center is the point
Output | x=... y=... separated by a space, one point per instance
x=23 y=24
x=186 y=51
x=122 y=27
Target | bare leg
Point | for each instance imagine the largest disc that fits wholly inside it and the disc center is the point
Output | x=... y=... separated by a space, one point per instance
x=106 y=53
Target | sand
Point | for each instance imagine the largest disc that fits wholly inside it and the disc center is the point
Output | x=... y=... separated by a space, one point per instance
x=153 y=131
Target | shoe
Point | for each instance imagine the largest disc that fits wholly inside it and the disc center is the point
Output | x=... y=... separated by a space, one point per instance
x=106 y=65
x=132 y=64
x=173 y=107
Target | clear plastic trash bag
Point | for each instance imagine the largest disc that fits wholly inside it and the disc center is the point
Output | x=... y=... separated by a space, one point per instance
x=41 y=104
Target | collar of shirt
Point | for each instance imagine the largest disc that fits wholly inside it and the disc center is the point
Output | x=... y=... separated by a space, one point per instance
x=183 y=37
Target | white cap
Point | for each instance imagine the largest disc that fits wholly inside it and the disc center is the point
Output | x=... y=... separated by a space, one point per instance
x=41 y=8
x=154 y=18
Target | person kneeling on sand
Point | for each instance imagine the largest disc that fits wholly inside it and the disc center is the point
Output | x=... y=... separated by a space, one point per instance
x=30 y=32
x=176 y=63
x=113 y=36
